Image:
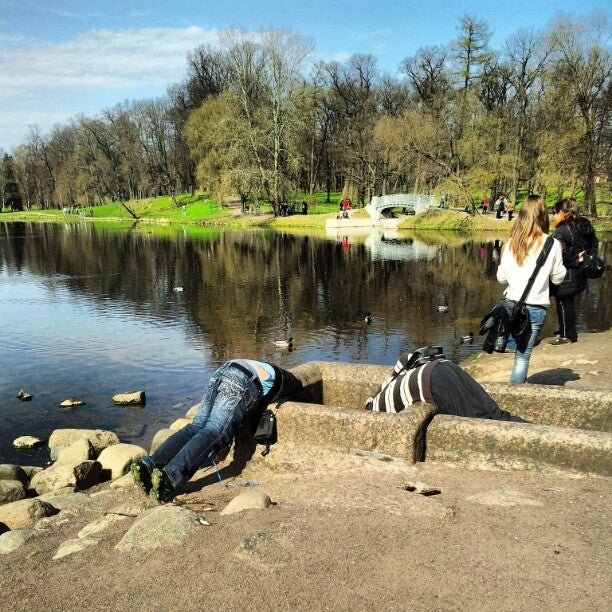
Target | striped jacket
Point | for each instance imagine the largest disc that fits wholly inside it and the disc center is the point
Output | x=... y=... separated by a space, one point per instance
x=404 y=388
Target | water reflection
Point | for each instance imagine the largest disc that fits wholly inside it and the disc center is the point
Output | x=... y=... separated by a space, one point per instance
x=90 y=312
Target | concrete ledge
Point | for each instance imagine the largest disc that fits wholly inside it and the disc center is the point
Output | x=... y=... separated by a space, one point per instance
x=481 y=443
x=553 y=405
x=347 y=430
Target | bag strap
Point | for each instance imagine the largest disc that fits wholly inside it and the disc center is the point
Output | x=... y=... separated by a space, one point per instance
x=546 y=249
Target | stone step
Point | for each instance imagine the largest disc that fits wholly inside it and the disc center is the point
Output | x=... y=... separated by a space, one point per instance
x=344 y=384
x=569 y=430
x=417 y=435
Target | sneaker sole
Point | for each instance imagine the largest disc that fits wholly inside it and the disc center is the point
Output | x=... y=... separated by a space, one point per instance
x=144 y=482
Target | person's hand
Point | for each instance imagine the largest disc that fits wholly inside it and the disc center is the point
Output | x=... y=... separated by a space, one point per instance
x=581 y=256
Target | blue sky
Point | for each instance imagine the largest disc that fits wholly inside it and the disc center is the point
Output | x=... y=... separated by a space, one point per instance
x=59 y=58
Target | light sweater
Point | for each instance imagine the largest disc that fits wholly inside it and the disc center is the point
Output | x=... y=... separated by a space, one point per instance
x=517 y=276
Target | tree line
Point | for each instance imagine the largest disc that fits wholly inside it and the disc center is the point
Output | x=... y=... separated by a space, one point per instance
x=256 y=117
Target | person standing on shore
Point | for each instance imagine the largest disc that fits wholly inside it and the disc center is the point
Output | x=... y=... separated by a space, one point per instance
x=518 y=261
x=577 y=238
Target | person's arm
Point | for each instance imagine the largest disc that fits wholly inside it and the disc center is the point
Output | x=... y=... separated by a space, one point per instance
x=504 y=265
x=558 y=270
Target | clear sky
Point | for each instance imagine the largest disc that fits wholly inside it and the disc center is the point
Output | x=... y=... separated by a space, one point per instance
x=59 y=58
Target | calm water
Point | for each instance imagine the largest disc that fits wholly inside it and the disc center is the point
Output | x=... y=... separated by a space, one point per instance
x=88 y=313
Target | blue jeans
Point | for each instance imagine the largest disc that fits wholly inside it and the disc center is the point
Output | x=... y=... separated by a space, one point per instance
x=230 y=395
x=537 y=316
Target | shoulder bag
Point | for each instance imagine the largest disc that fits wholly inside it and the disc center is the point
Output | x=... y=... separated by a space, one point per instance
x=510 y=317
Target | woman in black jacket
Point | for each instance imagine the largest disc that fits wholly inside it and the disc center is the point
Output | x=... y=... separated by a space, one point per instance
x=578 y=239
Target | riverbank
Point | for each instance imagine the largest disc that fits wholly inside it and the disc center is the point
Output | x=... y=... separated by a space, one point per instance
x=233 y=218
x=343 y=532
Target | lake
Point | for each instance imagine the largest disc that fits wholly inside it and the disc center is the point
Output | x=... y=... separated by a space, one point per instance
x=88 y=312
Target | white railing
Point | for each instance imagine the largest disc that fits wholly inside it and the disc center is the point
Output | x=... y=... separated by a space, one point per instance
x=412 y=201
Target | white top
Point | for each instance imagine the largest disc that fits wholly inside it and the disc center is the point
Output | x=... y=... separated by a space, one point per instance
x=517 y=276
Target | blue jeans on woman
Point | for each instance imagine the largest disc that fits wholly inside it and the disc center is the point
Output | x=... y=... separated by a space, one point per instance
x=537 y=316
x=230 y=395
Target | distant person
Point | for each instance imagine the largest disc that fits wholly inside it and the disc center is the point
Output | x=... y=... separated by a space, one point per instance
x=510 y=208
x=518 y=259
x=499 y=207
x=484 y=205
x=577 y=238
x=427 y=376
x=304 y=207
x=237 y=389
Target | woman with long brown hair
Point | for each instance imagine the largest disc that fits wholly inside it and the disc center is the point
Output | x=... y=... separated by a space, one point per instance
x=517 y=263
x=577 y=238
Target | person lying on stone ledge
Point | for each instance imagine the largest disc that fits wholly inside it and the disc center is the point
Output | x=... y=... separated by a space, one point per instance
x=239 y=388
x=427 y=376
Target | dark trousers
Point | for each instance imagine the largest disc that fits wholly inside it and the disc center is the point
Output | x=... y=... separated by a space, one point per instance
x=457 y=393
x=566 y=315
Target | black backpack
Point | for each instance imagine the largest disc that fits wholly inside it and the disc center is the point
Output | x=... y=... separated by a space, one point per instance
x=266 y=430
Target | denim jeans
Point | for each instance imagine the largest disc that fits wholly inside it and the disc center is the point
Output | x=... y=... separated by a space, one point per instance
x=537 y=316
x=230 y=395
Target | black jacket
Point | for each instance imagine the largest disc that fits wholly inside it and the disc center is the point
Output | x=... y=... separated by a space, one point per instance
x=574 y=238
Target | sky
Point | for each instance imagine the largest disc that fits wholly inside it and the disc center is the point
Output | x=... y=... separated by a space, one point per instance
x=62 y=58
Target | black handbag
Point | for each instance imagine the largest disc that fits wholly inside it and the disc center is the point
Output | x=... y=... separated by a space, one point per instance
x=508 y=317
x=593 y=266
x=266 y=432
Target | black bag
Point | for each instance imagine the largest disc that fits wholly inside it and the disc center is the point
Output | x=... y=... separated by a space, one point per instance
x=593 y=266
x=510 y=317
x=506 y=317
x=573 y=283
x=266 y=431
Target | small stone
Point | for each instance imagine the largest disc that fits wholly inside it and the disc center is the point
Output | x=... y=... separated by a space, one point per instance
x=248 y=500
x=24 y=396
x=117 y=459
x=131 y=398
x=179 y=424
x=422 y=488
x=71 y=402
x=27 y=442
x=159 y=438
x=192 y=411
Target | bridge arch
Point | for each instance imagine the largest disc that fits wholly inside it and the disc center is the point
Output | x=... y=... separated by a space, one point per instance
x=415 y=201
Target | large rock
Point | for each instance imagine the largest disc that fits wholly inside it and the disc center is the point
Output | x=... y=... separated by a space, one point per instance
x=27 y=442
x=12 y=540
x=133 y=398
x=54 y=477
x=248 y=500
x=69 y=547
x=10 y=491
x=192 y=411
x=23 y=514
x=179 y=424
x=87 y=474
x=165 y=526
x=9 y=471
x=159 y=438
x=99 y=439
x=60 y=475
x=116 y=459
x=76 y=452
x=100 y=524
x=67 y=499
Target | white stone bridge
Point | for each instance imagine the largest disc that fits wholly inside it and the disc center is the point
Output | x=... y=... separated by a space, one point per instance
x=411 y=201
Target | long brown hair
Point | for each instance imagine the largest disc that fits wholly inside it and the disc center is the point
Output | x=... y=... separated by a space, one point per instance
x=530 y=225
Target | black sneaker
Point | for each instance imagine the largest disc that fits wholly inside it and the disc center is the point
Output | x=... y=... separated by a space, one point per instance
x=142 y=475
x=162 y=490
